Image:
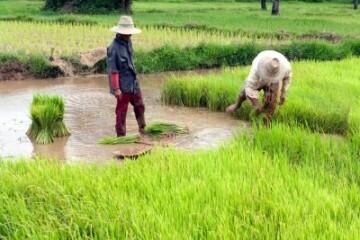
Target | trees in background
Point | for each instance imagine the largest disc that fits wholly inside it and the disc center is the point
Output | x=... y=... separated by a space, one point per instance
x=89 y=6
x=356 y=3
x=275 y=7
x=263 y=4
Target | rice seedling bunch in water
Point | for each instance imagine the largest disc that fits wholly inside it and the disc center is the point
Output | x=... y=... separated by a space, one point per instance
x=119 y=140
x=47 y=115
x=160 y=128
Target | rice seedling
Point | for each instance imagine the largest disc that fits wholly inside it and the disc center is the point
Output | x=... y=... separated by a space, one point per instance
x=110 y=140
x=161 y=128
x=322 y=95
x=68 y=40
x=277 y=175
x=47 y=115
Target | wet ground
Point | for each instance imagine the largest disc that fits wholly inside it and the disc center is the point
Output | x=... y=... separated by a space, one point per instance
x=90 y=116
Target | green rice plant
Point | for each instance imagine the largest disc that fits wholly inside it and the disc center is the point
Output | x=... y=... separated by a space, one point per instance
x=47 y=115
x=255 y=187
x=110 y=140
x=160 y=128
x=322 y=95
x=68 y=39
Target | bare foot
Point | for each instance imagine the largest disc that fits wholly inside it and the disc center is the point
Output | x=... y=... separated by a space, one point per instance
x=142 y=131
x=231 y=108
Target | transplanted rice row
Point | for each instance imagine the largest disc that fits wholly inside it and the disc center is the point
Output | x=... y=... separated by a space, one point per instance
x=323 y=96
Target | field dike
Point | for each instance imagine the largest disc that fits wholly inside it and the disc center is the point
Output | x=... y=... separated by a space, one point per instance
x=168 y=58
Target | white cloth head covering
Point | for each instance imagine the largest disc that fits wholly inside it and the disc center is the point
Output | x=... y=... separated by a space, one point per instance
x=126 y=26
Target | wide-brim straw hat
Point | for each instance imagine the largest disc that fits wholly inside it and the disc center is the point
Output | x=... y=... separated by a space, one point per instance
x=269 y=67
x=126 y=26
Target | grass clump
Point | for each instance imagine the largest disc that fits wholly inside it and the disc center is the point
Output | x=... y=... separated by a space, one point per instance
x=119 y=140
x=47 y=115
x=160 y=128
x=323 y=96
x=259 y=186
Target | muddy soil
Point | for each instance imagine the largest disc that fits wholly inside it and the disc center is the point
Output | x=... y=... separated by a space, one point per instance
x=13 y=70
x=330 y=37
x=90 y=116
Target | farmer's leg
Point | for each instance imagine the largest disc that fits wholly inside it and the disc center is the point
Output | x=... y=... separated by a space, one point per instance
x=139 y=109
x=121 y=111
x=238 y=103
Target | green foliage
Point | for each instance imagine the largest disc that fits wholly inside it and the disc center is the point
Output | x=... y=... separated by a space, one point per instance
x=47 y=116
x=322 y=96
x=119 y=140
x=85 y=6
x=169 y=58
x=37 y=65
x=256 y=187
x=160 y=128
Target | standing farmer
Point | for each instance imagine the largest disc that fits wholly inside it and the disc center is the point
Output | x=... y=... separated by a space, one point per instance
x=123 y=82
x=270 y=72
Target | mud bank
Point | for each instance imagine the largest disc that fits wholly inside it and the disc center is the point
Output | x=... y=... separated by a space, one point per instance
x=90 y=116
x=172 y=58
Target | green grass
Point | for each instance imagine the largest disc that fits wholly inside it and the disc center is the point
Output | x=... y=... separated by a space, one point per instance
x=285 y=181
x=218 y=32
x=281 y=182
x=161 y=128
x=323 y=96
x=119 y=140
x=47 y=119
x=288 y=181
x=296 y=17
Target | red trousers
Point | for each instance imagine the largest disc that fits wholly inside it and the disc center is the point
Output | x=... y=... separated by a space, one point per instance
x=121 y=110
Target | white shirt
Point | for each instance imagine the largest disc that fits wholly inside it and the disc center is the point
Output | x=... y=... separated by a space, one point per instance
x=258 y=78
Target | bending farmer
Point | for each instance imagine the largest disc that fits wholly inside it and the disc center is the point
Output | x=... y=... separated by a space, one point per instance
x=270 y=72
x=123 y=82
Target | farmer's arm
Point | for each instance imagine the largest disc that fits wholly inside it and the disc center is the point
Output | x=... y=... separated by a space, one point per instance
x=285 y=87
x=251 y=89
x=249 y=92
x=253 y=96
x=114 y=72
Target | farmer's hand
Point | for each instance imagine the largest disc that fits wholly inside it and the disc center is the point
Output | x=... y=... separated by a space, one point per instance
x=282 y=100
x=231 y=108
x=259 y=110
x=117 y=93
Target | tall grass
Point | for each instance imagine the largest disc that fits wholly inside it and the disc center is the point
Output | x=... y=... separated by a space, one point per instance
x=119 y=140
x=296 y=17
x=69 y=40
x=285 y=181
x=47 y=119
x=322 y=95
x=161 y=128
x=280 y=182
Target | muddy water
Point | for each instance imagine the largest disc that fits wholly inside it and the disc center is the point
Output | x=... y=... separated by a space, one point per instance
x=90 y=116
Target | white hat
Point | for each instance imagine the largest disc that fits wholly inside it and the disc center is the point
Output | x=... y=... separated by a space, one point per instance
x=269 y=67
x=125 y=26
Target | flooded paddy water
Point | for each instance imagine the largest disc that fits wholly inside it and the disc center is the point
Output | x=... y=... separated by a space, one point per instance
x=90 y=115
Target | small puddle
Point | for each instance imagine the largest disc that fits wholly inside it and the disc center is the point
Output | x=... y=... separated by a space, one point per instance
x=90 y=115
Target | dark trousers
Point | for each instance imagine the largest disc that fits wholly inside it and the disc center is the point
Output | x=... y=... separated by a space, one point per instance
x=121 y=110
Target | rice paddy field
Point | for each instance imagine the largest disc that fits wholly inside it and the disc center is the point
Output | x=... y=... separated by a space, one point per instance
x=299 y=178
x=190 y=25
x=324 y=95
x=70 y=40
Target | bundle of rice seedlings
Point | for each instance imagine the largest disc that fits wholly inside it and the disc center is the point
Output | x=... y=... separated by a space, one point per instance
x=119 y=140
x=47 y=115
x=160 y=128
